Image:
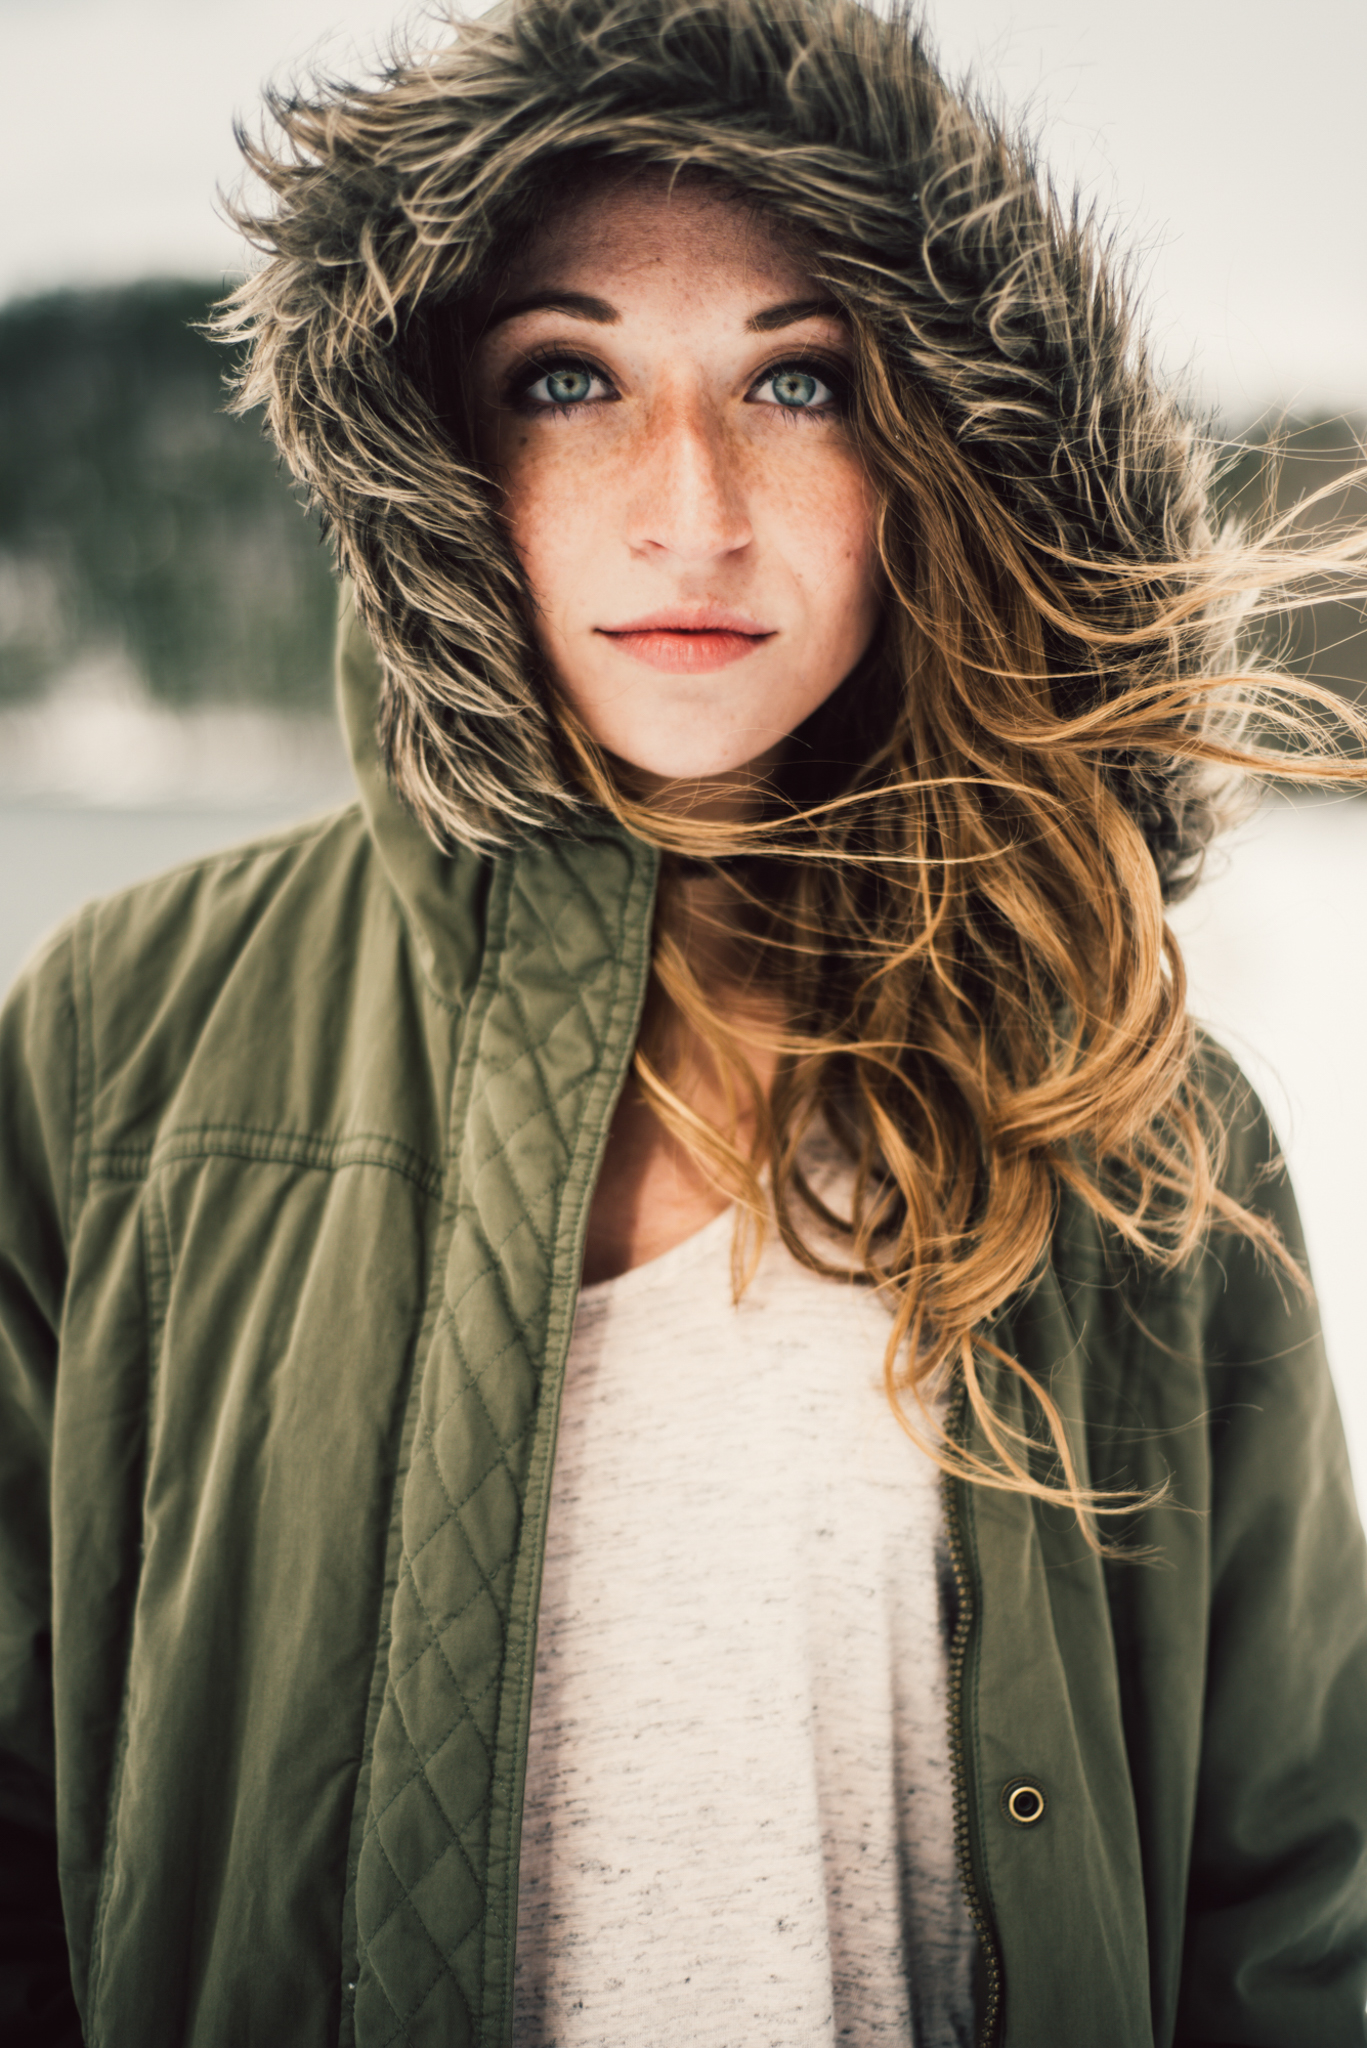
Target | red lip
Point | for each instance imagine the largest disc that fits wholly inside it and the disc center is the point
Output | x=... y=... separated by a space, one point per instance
x=687 y=639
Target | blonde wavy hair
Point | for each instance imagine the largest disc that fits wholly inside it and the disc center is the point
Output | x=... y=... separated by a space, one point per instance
x=983 y=1000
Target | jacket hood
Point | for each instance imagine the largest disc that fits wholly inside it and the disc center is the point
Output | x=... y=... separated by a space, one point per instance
x=398 y=201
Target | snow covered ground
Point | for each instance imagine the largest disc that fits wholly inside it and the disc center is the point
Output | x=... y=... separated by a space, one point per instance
x=1276 y=943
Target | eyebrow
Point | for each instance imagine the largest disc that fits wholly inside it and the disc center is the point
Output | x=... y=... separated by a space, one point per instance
x=793 y=310
x=604 y=315
x=580 y=303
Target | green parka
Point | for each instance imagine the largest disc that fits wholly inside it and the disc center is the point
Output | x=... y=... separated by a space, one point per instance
x=296 y=1147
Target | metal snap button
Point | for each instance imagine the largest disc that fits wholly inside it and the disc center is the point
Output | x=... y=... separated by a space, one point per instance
x=1023 y=1802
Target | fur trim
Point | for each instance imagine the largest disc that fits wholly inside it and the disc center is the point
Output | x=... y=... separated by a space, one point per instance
x=397 y=199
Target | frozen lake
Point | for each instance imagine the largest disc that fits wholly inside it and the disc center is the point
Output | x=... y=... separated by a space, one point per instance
x=1274 y=942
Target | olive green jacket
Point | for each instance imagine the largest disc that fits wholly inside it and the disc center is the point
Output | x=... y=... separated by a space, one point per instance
x=296 y=1147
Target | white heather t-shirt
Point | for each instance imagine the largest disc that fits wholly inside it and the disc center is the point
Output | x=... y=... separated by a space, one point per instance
x=738 y=1829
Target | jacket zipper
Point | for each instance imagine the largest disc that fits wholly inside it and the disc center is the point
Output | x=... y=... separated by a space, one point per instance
x=958 y=1657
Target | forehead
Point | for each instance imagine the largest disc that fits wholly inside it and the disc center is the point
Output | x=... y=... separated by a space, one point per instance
x=648 y=226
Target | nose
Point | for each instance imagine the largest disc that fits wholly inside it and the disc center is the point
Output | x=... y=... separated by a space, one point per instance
x=687 y=498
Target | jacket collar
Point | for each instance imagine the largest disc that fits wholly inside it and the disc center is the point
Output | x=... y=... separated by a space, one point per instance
x=439 y=892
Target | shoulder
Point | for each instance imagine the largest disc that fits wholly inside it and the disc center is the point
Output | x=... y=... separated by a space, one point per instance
x=242 y=986
x=1231 y=1270
x=1189 y=1362
x=200 y=914
x=145 y=970
x=1251 y=1305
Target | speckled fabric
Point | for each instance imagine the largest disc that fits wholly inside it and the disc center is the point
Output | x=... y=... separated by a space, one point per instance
x=739 y=1807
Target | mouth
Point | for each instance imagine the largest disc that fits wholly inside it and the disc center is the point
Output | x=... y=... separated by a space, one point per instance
x=689 y=641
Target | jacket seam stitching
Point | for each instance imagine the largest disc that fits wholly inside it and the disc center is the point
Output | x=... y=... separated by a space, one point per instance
x=454 y=1841
x=157 y=1266
x=454 y=1506
x=493 y=1274
x=443 y=1964
x=284 y=1148
x=483 y=1591
x=351 y=1952
x=469 y=1707
x=549 y=1108
x=536 y=1044
x=496 y=927
x=83 y=1078
x=969 y=1506
x=523 y=1336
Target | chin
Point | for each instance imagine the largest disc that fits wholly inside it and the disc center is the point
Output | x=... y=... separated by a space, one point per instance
x=698 y=748
x=669 y=760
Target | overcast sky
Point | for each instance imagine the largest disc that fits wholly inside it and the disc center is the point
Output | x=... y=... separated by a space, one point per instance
x=1224 y=137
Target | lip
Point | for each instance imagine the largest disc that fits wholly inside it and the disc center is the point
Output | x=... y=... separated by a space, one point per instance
x=689 y=639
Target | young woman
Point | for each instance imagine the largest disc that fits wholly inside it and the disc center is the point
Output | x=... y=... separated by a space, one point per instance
x=654 y=1392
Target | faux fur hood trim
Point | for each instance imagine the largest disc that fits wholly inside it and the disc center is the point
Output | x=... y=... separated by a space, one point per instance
x=396 y=199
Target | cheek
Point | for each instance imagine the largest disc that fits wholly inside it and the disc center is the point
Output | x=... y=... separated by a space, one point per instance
x=553 y=504
x=532 y=497
x=830 y=537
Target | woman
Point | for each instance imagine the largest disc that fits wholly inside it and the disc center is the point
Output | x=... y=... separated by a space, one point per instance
x=701 y=1190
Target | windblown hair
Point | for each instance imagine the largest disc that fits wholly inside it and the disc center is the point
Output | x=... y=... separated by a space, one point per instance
x=965 y=922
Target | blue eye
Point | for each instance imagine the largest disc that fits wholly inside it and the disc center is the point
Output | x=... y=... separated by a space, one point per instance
x=795 y=389
x=565 y=384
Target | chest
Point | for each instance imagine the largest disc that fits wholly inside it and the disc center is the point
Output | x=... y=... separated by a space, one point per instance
x=739 y=1797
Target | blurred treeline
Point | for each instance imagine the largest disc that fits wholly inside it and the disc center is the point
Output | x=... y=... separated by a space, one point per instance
x=137 y=519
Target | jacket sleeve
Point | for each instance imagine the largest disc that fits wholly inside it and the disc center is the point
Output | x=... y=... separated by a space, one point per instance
x=1275 y=1954
x=38 y=1115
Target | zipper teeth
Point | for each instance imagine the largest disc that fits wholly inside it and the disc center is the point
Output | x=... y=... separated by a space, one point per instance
x=958 y=1655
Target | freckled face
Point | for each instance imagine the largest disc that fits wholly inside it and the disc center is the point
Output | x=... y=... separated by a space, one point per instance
x=661 y=396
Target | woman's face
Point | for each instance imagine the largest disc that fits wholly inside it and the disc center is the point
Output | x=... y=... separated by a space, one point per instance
x=661 y=398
